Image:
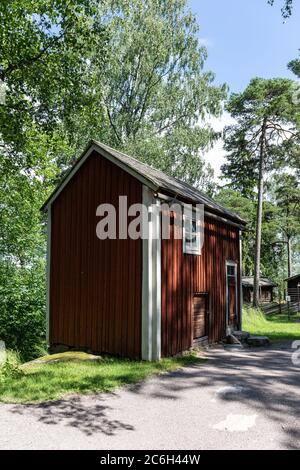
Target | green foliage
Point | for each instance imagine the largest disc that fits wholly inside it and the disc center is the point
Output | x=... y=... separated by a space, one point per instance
x=268 y=102
x=151 y=97
x=285 y=189
x=22 y=248
x=263 y=139
x=281 y=219
x=11 y=367
x=22 y=308
x=276 y=327
x=245 y=208
x=156 y=95
x=287 y=8
x=42 y=382
x=273 y=257
x=47 y=51
x=168 y=154
x=126 y=72
x=294 y=66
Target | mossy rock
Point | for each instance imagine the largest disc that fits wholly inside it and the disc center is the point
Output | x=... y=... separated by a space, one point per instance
x=63 y=357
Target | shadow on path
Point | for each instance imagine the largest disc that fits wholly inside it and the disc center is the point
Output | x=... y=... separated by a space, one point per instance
x=76 y=412
x=268 y=382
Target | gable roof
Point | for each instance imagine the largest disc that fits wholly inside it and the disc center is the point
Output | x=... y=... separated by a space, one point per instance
x=293 y=277
x=155 y=179
x=248 y=281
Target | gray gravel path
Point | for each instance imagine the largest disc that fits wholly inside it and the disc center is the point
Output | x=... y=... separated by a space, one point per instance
x=237 y=400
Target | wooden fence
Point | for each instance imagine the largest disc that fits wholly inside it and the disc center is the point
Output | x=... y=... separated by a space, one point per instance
x=282 y=308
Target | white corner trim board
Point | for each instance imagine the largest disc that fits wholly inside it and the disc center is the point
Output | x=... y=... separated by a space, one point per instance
x=151 y=283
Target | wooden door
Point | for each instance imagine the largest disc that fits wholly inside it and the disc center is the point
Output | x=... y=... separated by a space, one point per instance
x=231 y=301
x=199 y=316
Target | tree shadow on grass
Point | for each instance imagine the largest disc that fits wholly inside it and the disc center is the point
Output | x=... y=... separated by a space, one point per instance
x=269 y=385
x=80 y=411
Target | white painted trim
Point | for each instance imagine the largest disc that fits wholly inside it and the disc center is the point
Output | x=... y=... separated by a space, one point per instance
x=146 y=297
x=97 y=148
x=48 y=267
x=207 y=213
x=156 y=279
x=143 y=179
x=230 y=263
x=188 y=250
x=151 y=282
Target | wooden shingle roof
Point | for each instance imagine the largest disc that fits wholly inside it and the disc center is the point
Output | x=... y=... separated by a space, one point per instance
x=248 y=281
x=156 y=179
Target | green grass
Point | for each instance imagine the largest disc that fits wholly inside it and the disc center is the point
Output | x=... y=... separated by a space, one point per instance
x=276 y=327
x=49 y=381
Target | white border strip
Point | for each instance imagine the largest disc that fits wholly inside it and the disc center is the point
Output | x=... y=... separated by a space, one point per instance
x=151 y=282
x=231 y=263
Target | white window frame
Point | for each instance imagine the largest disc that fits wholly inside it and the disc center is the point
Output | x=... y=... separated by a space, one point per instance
x=235 y=265
x=187 y=248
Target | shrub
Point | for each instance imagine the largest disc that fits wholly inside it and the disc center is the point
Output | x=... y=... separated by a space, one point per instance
x=22 y=309
x=11 y=367
x=253 y=316
x=276 y=327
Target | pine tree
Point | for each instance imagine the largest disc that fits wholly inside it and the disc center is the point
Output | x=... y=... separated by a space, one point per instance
x=266 y=129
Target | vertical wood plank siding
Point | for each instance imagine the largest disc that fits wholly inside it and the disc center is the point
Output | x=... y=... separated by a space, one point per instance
x=95 y=286
x=184 y=274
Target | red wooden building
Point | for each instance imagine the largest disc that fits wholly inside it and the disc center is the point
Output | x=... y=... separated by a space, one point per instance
x=266 y=289
x=293 y=288
x=139 y=298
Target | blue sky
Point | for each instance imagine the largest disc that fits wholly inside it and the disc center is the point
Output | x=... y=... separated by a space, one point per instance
x=244 y=39
x=247 y=38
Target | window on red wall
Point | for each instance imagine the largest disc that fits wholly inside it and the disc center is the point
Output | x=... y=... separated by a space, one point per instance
x=191 y=235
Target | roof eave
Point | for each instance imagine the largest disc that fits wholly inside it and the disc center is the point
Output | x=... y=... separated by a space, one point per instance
x=91 y=147
x=144 y=179
x=241 y=223
x=292 y=277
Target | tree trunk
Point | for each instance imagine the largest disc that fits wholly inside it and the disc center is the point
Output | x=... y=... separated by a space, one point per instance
x=289 y=250
x=260 y=187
